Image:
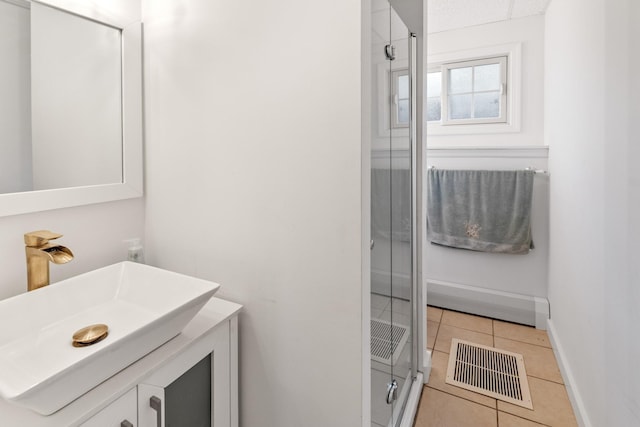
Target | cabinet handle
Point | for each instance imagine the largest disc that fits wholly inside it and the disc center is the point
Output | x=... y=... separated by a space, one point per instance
x=126 y=423
x=156 y=405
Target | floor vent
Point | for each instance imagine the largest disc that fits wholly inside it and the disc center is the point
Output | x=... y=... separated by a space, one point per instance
x=496 y=373
x=387 y=341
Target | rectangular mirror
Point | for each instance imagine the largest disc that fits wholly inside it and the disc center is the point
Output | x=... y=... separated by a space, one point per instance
x=70 y=110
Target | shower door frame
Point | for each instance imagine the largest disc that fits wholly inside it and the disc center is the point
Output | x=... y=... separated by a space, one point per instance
x=406 y=406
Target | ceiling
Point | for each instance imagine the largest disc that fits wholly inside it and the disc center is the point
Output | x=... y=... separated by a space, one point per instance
x=446 y=15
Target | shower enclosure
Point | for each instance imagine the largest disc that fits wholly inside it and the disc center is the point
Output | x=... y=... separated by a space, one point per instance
x=394 y=343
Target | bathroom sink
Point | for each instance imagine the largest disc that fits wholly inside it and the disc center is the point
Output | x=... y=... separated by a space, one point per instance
x=142 y=306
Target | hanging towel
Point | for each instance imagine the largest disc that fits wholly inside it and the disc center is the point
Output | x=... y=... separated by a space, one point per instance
x=487 y=211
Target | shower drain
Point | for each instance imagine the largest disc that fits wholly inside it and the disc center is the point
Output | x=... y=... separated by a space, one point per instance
x=486 y=370
x=387 y=341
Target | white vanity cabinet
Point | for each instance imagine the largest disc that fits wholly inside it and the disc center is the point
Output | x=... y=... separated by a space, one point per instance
x=121 y=413
x=191 y=380
x=196 y=388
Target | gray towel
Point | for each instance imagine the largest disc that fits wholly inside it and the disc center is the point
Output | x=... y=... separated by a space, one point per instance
x=487 y=211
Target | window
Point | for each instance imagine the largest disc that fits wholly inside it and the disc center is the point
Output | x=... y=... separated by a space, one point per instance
x=400 y=116
x=468 y=92
x=459 y=101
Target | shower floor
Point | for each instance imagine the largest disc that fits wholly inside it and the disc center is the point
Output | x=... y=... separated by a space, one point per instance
x=383 y=308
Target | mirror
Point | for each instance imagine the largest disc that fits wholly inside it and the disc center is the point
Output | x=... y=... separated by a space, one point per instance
x=70 y=110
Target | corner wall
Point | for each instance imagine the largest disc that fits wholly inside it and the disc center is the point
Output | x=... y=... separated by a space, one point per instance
x=591 y=126
x=253 y=114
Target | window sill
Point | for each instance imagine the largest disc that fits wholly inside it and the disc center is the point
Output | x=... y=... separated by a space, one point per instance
x=473 y=129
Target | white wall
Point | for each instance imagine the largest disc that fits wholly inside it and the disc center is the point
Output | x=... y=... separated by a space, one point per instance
x=253 y=126
x=530 y=32
x=15 y=99
x=631 y=293
x=592 y=129
x=94 y=233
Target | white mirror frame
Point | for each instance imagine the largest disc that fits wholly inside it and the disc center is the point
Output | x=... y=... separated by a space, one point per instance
x=132 y=151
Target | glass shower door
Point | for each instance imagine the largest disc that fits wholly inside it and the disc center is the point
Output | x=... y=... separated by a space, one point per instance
x=392 y=358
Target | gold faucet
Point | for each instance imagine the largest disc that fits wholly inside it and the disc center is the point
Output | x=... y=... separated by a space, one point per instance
x=39 y=253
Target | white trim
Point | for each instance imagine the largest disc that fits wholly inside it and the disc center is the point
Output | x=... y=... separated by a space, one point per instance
x=446 y=119
x=524 y=309
x=366 y=84
x=383 y=71
x=513 y=52
x=533 y=152
x=427 y=364
x=568 y=378
x=542 y=312
x=395 y=98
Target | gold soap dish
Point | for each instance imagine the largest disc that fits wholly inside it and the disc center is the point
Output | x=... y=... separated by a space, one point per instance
x=90 y=335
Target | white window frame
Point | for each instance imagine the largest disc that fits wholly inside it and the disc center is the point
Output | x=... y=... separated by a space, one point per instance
x=511 y=93
x=385 y=91
x=395 y=76
x=446 y=119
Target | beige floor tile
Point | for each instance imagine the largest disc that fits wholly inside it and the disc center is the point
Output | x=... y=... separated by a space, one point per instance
x=438 y=409
x=446 y=332
x=439 y=362
x=434 y=313
x=522 y=333
x=539 y=361
x=508 y=420
x=432 y=332
x=551 y=405
x=467 y=321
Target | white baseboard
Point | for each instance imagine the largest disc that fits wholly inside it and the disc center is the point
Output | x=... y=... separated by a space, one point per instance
x=568 y=378
x=426 y=369
x=524 y=309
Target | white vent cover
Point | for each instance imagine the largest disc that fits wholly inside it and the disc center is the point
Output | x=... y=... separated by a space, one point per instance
x=387 y=341
x=486 y=370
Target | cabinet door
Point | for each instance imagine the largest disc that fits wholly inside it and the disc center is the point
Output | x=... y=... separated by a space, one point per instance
x=121 y=413
x=151 y=405
x=187 y=401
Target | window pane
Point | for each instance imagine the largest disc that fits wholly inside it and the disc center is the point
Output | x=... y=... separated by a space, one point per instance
x=460 y=80
x=434 y=84
x=486 y=105
x=486 y=77
x=460 y=106
x=403 y=111
x=403 y=87
x=434 y=109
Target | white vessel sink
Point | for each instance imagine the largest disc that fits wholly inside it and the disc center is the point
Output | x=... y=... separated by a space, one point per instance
x=143 y=307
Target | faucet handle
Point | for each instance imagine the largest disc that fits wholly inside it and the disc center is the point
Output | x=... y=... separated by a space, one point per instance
x=40 y=237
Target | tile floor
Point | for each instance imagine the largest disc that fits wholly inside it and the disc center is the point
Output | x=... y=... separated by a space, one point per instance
x=443 y=405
